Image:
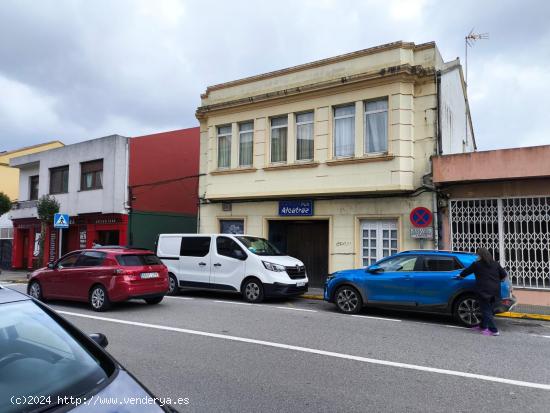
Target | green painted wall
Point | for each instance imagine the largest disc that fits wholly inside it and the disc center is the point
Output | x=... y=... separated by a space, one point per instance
x=145 y=226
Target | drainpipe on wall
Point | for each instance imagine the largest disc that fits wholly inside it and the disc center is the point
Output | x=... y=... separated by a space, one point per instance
x=438 y=151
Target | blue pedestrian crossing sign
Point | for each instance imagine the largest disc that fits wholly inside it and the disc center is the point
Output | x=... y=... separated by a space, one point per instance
x=61 y=221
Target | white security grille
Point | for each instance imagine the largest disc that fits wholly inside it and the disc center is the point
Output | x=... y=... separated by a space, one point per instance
x=379 y=239
x=515 y=230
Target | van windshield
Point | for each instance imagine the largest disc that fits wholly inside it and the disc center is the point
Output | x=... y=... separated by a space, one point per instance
x=259 y=246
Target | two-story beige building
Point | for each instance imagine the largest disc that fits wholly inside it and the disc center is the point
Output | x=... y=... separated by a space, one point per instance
x=328 y=159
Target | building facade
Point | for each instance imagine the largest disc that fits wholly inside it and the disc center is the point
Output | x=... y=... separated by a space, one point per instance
x=9 y=184
x=163 y=185
x=500 y=200
x=89 y=180
x=328 y=159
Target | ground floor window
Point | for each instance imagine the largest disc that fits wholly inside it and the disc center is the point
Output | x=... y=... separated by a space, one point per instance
x=378 y=240
x=232 y=226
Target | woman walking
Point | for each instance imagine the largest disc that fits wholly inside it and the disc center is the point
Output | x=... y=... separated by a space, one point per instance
x=488 y=275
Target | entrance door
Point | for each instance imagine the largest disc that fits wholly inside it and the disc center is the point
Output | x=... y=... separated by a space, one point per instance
x=25 y=252
x=305 y=240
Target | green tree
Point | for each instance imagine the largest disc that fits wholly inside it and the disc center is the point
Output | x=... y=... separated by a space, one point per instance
x=46 y=207
x=5 y=203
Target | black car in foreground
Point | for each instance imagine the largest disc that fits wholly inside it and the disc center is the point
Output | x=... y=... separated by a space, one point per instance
x=49 y=365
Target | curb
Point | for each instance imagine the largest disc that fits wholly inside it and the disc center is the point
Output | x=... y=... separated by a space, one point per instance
x=311 y=297
x=13 y=281
x=527 y=316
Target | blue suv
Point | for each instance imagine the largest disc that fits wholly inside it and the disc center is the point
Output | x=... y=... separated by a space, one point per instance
x=421 y=280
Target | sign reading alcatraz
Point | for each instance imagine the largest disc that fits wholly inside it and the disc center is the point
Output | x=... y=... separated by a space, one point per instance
x=296 y=208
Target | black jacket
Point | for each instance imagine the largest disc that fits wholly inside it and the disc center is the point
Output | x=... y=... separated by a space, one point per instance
x=488 y=277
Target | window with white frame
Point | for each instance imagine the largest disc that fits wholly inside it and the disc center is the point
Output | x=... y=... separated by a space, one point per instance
x=378 y=240
x=246 y=138
x=224 y=146
x=304 y=136
x=376 y=126
x=279 y=132
x=6 y=233
x=344 y=131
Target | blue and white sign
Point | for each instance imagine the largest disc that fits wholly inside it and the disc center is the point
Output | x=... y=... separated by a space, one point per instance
x=296 y=208
x=61 y=221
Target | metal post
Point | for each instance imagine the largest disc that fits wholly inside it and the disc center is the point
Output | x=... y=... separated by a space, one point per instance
x=60 y=242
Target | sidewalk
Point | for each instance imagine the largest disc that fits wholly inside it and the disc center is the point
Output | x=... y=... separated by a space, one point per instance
x=14 y=276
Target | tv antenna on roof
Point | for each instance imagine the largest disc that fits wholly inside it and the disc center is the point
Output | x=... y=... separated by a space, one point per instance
x=469 y=41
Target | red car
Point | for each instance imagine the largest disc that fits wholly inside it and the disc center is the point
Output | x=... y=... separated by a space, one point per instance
x=102 y=276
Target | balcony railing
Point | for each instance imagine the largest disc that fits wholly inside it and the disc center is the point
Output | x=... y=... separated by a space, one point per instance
x=24 y=204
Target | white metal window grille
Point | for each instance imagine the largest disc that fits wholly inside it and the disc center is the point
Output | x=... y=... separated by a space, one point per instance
x=515 y=230
x=378 y=240
x=224 y=146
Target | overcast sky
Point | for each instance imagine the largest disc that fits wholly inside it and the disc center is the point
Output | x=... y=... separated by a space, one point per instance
x=77 y=70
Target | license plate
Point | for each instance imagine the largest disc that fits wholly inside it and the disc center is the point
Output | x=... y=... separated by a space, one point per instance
x=300 y=284
x=147 y=275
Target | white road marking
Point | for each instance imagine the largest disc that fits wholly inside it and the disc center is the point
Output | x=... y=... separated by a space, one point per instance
x=179 y=298
x=232 y=302
x=539 y=335
x=295 y=309
x=321 y=352
x=376 y=318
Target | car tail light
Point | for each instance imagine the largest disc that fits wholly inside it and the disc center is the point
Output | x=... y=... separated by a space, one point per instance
x=120 y=271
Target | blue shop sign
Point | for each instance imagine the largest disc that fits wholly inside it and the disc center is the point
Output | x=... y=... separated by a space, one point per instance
x=296 y=208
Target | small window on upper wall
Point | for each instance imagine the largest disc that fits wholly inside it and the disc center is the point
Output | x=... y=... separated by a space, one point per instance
x=246 y=142
x=91 y=175
x=59 y=180
x=224 y=146
x=344 y=131
x=232 y=226
x=279 y=133
x=376 y=126
x=304 y=136
x=33 y=187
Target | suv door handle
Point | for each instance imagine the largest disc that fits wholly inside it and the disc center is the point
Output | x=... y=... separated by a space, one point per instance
x=217 y=264
x=202 y=264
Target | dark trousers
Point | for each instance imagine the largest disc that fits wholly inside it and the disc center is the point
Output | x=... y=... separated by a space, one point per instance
x=487 y=318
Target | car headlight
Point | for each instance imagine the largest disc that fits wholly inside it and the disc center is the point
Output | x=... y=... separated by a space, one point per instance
x=273 y=267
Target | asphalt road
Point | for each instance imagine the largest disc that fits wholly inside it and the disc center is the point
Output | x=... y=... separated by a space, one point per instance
x=301 y=355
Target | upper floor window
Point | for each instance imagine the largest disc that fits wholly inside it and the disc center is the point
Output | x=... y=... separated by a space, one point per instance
x=246 y=138
x=91 y=175
x=224 y=146
x=376 y=126
x=33 y=187
x=279 y=133
x=59 y=180
x=344 y=131
x=304 y=136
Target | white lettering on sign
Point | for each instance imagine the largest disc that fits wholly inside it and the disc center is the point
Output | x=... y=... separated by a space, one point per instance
x=295 y=210
x=422 y=233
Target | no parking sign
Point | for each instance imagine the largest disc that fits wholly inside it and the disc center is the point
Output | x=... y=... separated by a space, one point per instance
x=421 y=219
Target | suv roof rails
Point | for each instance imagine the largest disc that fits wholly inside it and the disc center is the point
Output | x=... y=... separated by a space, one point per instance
x=445 y=251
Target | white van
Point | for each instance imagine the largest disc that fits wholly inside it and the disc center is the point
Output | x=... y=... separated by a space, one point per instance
x=225 y=262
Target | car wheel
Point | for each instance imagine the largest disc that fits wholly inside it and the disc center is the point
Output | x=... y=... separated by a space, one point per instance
x=253 y=291
x=348 y=300
x=99 y=300
x=35 y=291
x=467 y=311
x=153 y=301
x=172 y=285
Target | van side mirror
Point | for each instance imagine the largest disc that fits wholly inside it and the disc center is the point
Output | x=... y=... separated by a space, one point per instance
x=375 y=269
x=240 y=254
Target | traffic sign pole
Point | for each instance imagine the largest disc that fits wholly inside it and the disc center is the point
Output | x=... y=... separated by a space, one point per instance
x=60 y=242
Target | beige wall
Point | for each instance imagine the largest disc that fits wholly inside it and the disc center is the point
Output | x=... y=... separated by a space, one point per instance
x=344 y=216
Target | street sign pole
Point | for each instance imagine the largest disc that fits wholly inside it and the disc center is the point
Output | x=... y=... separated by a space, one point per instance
x=60 y=243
